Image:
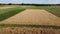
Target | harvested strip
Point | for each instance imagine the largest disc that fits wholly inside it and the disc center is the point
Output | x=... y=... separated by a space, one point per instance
x=17 y=30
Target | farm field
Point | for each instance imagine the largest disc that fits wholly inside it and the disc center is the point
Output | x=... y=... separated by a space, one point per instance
x=52 y=9
x=25 y=30
x=33 y=17
x=9 y=12
x=29 y=19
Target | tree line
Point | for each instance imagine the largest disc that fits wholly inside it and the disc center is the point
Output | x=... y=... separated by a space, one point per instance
x=33 y=4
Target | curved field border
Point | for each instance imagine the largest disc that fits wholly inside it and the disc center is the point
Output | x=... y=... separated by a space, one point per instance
x=31 y=26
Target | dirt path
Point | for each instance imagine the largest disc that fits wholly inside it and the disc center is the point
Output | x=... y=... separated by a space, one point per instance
x=6 y=7
x=33 y=16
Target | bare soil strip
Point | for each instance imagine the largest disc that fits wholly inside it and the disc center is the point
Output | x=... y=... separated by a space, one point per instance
x=12 y=30
x=33 y=17
x=6 y=7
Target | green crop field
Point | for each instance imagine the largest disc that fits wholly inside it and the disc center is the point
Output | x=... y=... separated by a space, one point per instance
x=6 y=13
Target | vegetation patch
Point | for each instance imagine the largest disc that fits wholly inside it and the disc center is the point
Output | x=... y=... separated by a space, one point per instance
x=9 y=12
x=32 y=26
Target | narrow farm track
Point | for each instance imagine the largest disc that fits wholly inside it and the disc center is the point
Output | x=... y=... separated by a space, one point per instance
x=6 y=7
x=33 y=17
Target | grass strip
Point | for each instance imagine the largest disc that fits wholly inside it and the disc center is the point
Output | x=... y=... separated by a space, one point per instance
x=32 y=26
x=10 y=13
